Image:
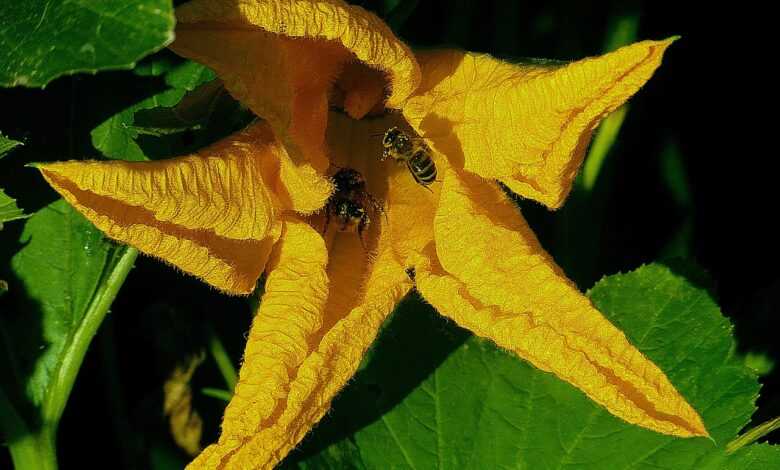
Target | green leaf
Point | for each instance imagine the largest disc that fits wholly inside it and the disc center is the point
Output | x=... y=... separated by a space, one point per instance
x=432 y=396
x=41 y=40
x=62 y=281
x=6 y=145
x=117 y=136
x=760 y=362
x=8 y=209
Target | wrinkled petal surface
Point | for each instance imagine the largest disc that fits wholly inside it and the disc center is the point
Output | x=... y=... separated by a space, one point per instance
x=525 y=125
x=490 y=274
x=360 y=32
x=284 y=60
x=212 y=214
x=311 y=331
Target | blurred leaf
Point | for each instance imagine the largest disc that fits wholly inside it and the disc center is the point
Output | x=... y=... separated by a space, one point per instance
x=681 y=243
x=163 y=457
x=759 y=362
x=483 y=408
x=116 y=137
x=184 y=422
x=622 y=30
x=41 y=40
x=399 y=11
x=674 y=175
x=6 y=145
x=63 y=280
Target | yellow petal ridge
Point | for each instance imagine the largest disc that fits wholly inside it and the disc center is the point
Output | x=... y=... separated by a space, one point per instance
x=285 y=83
x=211 y=214
x=525 y=125
x=220 y=188
x=496 y=280
x=310 y=365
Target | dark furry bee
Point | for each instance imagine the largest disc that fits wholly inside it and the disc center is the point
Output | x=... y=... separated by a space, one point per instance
x=412 y=151
x=351 y=202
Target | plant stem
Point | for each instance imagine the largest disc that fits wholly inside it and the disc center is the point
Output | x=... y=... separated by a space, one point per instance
x=35 y=451
x=753 y=435
x=57 y=398
x=606 y=135
x=223 y=395
x=220 y=355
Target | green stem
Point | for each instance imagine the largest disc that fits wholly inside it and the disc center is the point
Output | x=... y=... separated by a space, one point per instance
x=35 y=451
x=606 y=136
x=223 y=395
x=753 y=435
x=76 y=349
x=223 y=361
x=29 y=451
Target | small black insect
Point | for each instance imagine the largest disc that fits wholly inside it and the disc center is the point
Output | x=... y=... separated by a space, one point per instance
x=351 y=202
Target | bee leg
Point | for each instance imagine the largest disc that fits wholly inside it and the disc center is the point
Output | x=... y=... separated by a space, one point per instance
x=429 y=189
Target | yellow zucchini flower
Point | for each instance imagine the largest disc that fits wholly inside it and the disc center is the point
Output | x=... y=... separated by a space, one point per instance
x=327 y=80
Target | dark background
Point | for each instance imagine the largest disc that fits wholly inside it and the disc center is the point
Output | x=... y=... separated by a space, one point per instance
x=711 y=103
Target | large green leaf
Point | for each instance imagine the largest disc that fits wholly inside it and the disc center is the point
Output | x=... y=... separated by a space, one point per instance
x=41 y=40
x=431 y=396
x=117 y=136
x=61 y=283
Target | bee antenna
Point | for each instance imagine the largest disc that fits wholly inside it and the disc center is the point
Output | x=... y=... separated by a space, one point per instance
x=378 y=135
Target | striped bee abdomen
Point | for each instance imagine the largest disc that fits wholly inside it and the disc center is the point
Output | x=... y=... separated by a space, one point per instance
x=422 y=167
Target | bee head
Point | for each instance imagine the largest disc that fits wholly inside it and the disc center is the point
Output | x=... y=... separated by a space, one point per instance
x=347 y=179
x=391 y=136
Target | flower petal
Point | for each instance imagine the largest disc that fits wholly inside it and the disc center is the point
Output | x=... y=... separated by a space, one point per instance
x=360 y=32
x=303 y=347
x=496 y=280
x=295 y=295
x=525 y=125
x=212 y=214
x=247 y=61
x=283 y=60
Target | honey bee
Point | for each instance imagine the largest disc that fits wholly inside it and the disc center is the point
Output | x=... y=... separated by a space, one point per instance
x=412 y=151
x=351 y=202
